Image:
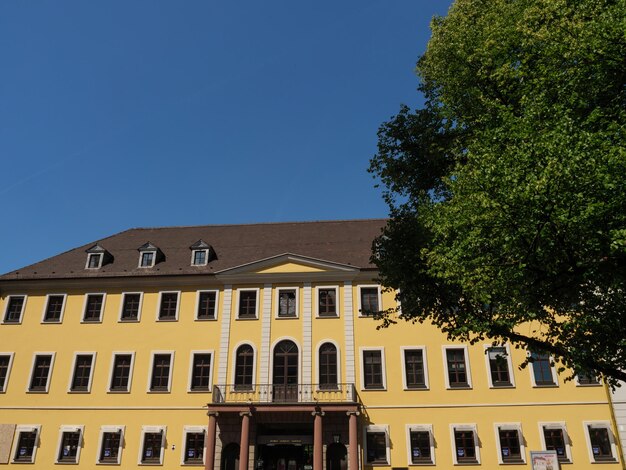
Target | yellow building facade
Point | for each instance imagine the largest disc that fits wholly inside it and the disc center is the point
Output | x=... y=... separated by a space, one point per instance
x=254 y=347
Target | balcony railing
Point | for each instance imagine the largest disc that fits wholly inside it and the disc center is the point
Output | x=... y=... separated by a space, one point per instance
x=296 y=393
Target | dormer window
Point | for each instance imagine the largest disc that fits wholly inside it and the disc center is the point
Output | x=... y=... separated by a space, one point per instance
x=147 y=259
x=97 y=257
x=94 y=260
x=200 y=253
x=149 y=255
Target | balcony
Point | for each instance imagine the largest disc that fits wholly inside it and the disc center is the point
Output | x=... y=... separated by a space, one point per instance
x=284 y=394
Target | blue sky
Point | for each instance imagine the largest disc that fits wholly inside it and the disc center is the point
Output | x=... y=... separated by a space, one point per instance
x=147 y=113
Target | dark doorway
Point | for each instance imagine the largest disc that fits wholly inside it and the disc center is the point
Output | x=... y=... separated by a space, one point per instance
x=230 y=457
x=336 y=457
x=285 y=373
x=285 y=457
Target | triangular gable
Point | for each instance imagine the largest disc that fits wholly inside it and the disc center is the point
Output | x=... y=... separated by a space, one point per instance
x=289 y=263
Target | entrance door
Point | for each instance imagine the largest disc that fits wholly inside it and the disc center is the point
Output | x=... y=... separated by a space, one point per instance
x=336 y=457
x=285 y=374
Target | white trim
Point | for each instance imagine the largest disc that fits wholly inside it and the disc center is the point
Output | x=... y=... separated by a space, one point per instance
x=195 y=430
x=16 y=438
x=520 y=437
x=380 y=300
x=382 y=363
x=273 y=347
x=424 y=428
x=154 y=255
x=377 y=428
x=464 y=427
x=233 y=369
x=507 y=349
x=139 y=308
x=45 y=308
x=32 y=370
x=206 y=256
x=604 y=425
x=5 y=385
x=7 y=302
x=153 y=353
x=152 y=429
x=316 y=301
x=277 y=303
x=256 y=304
x=101 y=259
x=468 y=371
x=79 y=428
x=192 y=355
x=317 y=361
x=424 y=362
x=114 y=354
x=555 y=377
x=255 y=266
x=73 y=371
x=85 y=301
x=556 y=425
x=113 y=429
x=178 y=299
x=197 y=306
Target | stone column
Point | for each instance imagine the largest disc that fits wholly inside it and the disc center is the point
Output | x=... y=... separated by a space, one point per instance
x=244 y=448
x=210 y=440
x=353 y=446
x=318 y=442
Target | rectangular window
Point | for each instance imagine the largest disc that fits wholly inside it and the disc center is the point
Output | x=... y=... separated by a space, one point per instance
x=373 y=370
x=14 y=309
x=168 y=306
x=287 y=303
x=207 y=302
x=510 y=444
x=93 y=308
x=414 y=369
x=369 y=301
x=421 y=449
x=601 y=442
x=587 y=378
x=121 y=372
x=194 y=448
x=69 y=447
x=247 y=303
x=201 y=372
x=152 y=448
x=376 y=447
x=110 y=445
x=542 y=369
x=81 y=377
x=146 y=259
x=39 y=380
x=458 y=374
x=54 y=308
x=5 y=368
x=327 y=301
x=25 y=444
x=161 y=371
x=131 y=306
x=555 y=438
x=199 y=257
x=94 y=260
x=499 y=367
x=465 y=448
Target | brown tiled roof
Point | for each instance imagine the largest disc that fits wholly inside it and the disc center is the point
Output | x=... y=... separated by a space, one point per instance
x=346 y=242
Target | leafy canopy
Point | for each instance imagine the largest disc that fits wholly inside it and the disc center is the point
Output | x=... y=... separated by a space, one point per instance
x=507 y=189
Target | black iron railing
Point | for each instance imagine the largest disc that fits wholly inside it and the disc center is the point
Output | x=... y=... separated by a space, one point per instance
x=296 y=393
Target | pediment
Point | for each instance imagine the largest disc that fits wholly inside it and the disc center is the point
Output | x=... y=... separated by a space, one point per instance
x=289 y=263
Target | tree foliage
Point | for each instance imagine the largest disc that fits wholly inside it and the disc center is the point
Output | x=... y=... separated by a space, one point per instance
x=507 y=189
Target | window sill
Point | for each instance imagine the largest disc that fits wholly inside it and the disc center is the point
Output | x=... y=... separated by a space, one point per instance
x=546 y=386
x=11 y=322
x=246 y=318
x=91 y=322
x=78 y=392
x=118 y=392
x=372 y=389
x=51 y=322
x=207 y=390
x=157 y=392
x=420 y=464
x=37 y=391
x=205 y=319
x=459 y=387
x=416 y=389
x=284 y=317
x=604 y=461
x=166 y=320
x=495 y=387
x=332 y=316
x=128 y=320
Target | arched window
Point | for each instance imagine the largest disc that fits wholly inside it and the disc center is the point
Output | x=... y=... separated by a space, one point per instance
x=328 y=366
x=285 y=376
x=244 y=367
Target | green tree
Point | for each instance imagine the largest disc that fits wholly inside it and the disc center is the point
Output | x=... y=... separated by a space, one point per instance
x=507 y=189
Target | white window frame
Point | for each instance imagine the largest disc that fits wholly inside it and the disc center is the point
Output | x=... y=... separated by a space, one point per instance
x=32 y=370
x=152 y=429
x=360 y=307
x=277 y=302
x=257 y=290
x=178 y=299
x=600 y=424
x=11 y=355
x=217 y=298
x=316 y=301
x=206 y=256
x=383 y=364
x=425 y=362
x=73 y=371
x=110 y=428
x=122 y=299
x=151 y=371
x=69 y=428
x=16 y=439
x=154 y=255
x=464 y=427
x=45 y=309
x=444 y=350
x=233 y=368
x=130 y=373
x=423 y=428
x=317 y=362
x=578 y=384
x=520 y=436
x=556 y=425
x=192 y=355
x=101 y=259
x=7 y=301
x=376 y=428
x=192 y=430
x=509 y=363
x=104 y=298
x=555 y=376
